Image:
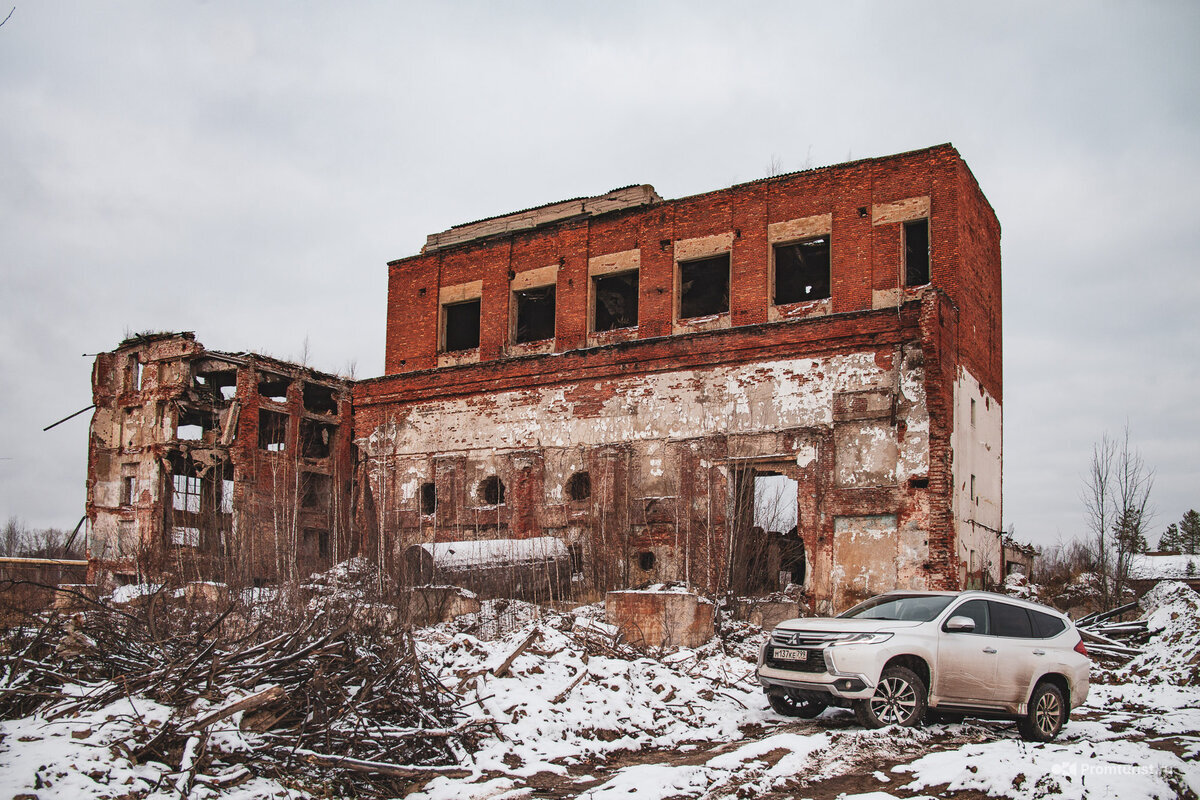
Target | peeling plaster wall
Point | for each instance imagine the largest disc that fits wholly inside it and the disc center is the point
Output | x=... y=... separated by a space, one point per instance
x=977 y=449
x=850 y=428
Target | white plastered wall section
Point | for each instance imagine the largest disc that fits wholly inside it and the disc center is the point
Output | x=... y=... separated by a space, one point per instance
x=978 y=451
x=653 y=415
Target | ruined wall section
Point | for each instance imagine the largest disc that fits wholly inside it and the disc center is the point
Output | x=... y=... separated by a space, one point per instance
x=861 y=206
x=182 y=478
x=663 y=450
x=977 y=447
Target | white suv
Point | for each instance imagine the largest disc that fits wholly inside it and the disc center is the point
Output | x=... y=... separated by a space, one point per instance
x=900 y=655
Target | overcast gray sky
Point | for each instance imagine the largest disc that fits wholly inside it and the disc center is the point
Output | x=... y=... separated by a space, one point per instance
x=247 y=170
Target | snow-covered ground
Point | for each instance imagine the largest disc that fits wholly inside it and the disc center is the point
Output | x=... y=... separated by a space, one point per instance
x=575 y=716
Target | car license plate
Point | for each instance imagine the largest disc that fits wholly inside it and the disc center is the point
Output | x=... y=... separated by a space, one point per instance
x=791 y=655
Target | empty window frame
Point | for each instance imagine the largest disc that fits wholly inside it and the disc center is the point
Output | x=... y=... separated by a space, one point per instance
x=616 y=301
x=428 y=498
x=579 y=486
x=128 y=484
x=491 y=491
x=802 y=271
x=704 y=287
x=315 y=543
x=317 y=490
x=534 y=314
x=316 y=438
x=185 y=493
x=319 y=399
x=916 y=252
x=273 y=388
x=460 y=326
x=272 y=430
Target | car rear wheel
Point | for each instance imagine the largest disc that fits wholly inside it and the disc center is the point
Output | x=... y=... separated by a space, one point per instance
x=791 y=706
x=899 y=699
x=1047 y=714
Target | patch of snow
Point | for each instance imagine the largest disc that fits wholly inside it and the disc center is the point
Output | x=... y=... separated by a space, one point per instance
x=463 y=555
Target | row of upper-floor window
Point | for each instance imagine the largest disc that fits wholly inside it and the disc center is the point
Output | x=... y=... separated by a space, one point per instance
x=799 y=273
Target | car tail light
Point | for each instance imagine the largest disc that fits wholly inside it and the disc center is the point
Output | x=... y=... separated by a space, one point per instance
x=1079 y=648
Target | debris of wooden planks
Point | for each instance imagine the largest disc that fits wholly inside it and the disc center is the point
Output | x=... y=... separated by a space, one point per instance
x=533 y=636
x=370 y=719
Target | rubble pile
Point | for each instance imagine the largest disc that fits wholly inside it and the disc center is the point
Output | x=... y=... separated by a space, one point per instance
x=1172 y=651
x=327 y=701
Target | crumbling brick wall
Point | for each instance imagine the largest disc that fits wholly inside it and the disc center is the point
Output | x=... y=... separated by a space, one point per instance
x=852 y=396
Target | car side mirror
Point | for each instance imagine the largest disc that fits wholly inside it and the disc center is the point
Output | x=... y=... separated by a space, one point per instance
x=960 y=624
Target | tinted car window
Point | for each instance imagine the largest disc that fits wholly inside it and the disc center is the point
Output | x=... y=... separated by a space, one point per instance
x=911 y=607
x=1047 y=625
x=976 y=610
x=1010 y=621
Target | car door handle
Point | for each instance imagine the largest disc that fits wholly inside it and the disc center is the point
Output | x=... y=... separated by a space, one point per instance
x=989 y=649
x=1039 y=652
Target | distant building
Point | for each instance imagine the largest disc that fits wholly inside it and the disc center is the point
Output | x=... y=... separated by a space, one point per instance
x=205 y=464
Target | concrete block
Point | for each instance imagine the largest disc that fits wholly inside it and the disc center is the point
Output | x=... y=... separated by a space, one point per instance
x=649 y=618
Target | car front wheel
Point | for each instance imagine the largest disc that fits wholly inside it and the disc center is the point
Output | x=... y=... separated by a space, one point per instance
x=791 y=706
x=899 y=699
x=1046 y=715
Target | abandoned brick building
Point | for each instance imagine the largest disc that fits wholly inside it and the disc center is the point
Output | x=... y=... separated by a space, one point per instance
x=623 y=373
x=215 y=465
x=796 y=379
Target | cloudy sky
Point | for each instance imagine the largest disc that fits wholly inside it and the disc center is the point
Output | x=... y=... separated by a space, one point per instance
x=247 y=170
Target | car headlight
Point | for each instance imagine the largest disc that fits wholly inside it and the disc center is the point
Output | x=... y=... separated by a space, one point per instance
x=861 y=638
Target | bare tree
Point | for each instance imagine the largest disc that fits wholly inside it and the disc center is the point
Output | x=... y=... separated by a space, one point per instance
x=1100 y=509
x=1133 y=482
x=1116 y=498
x=14 y=534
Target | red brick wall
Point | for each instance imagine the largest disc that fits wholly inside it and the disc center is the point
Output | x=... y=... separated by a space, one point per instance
x=964 y=237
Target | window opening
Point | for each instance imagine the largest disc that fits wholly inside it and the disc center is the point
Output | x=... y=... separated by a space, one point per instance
x=317 y=490
x=462 y=325
x=139 y=371
x=185 y=535
x=576 y=552
x=535 y=315
x=185 y=493
x=972 y=412
x=579 y=486
x=273 y=388
x=272 y=430
x=315 y=543
x=316 y=439
x=428 y=498
x=802 y=271
x=128 y=484
x=704 y=287
x=218 y=384
x=616 y=299
x=226 y=496
x=916 y=252
x=319 y=399
x=646 y=561
x=491 y=491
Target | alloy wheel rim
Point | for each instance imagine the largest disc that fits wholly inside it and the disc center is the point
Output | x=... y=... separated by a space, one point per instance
x=895 y=700
x=1047 y=713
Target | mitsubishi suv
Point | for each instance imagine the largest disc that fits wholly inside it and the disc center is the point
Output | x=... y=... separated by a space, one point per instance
x=902 y=655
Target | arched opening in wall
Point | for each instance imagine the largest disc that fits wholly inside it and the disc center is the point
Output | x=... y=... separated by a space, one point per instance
x=579 y=486
x=646 y=561
x=767 y=552
x=428 y=498
x=491 y=491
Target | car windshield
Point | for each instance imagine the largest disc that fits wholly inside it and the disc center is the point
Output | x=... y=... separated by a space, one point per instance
x=908 y=607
